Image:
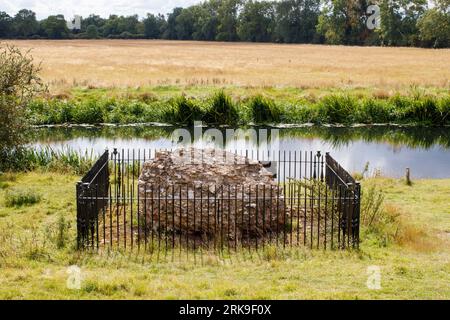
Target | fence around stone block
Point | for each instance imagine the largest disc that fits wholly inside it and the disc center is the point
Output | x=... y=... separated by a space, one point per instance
x=312 y=201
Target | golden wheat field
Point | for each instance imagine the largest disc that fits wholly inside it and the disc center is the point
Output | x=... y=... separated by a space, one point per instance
x=130 y=63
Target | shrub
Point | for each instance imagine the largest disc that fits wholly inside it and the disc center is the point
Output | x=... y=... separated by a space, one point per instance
x=264 y=110
x=19 y=83
x=222 y=110
x=19 y=197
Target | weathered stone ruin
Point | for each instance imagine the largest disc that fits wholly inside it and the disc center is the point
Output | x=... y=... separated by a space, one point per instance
x=210 y=193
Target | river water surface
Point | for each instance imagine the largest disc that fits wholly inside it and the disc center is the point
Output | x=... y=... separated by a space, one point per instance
x=386 y=150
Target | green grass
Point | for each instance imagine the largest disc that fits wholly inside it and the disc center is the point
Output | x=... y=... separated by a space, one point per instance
x=37 y=247
x=240 y=106
x=264 y=110
x=21 y=197
x=26 y=159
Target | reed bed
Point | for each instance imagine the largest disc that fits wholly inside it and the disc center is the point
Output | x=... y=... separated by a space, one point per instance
x=220 y=108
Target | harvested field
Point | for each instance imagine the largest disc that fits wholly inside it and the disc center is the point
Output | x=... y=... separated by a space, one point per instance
x=132 y=63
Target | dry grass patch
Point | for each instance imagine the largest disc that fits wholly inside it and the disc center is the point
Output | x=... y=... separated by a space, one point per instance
x=132 y=63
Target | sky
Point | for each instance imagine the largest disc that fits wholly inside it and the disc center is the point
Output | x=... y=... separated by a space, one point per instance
x=69 y=8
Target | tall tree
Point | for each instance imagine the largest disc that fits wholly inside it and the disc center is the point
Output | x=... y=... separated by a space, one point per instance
x=343 y=22
x=399 y=21
x=434 y=28
x=92 y=32
x=228 y=12
x=153 y=26
x=120 y=25
x=6 y=25
x=25 y=23
x=297 y=20
x=55 y=27
x=184 y=24
x=206 y=20
x=171 y=31
x=92 y=20
x=256 y=22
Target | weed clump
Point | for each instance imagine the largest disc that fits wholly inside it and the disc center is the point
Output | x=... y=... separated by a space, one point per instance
x=184 y=111
x=20 y=197
x=222 y=110
x=385 y=224
x=264 y=110
x=337 y=109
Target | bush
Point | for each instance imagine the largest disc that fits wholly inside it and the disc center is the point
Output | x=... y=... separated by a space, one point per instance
x=264 y=110
x=19 y=197
x=19 y=83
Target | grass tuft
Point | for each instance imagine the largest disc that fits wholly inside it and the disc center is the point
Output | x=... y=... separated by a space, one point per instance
x=264 y=110
x=222 y=110
x=21 y=197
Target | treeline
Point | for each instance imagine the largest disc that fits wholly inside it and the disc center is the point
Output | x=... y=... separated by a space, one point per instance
x=403 y=23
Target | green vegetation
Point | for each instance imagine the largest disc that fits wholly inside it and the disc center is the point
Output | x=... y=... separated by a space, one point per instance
x=264 y=110
x=222 y=110
x=38 y=246
x=19 y=83
x=27 y=159
x=405 y=23
x=275 y=106
x=21 y=197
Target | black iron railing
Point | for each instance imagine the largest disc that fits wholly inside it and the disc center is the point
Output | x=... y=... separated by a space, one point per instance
x=312 y=202
x=92 y=194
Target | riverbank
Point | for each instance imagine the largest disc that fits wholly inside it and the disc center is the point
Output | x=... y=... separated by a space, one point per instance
x=39 y=236
x=237 y=106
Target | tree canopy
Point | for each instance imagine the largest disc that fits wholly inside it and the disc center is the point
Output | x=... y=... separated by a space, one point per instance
x=403 y=23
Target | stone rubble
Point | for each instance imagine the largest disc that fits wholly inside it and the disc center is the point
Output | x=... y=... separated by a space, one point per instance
x=222 y=195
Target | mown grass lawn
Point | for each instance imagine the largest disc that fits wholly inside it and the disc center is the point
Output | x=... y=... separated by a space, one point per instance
x=37 y=247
